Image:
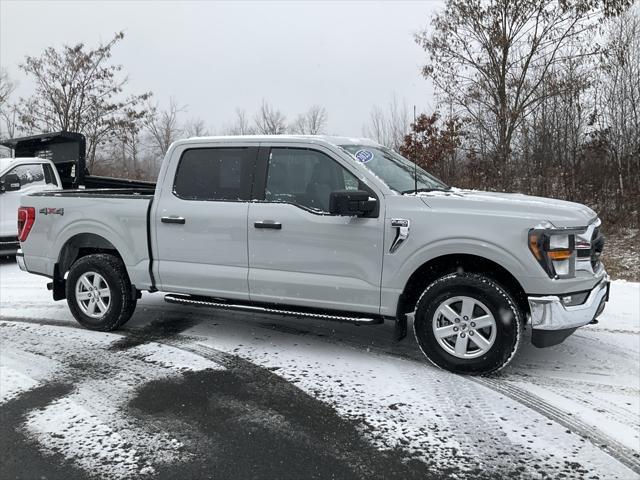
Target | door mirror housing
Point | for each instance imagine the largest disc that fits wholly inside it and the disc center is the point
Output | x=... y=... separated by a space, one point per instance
x=352 y=203
x=10 y=183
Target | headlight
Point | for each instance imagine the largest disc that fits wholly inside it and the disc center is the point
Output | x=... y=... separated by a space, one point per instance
x=554 y=249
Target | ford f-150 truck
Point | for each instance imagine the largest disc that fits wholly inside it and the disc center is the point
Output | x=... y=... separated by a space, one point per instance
x=324 y=227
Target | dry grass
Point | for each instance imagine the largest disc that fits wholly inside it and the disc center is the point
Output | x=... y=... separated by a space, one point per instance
x=621 y=254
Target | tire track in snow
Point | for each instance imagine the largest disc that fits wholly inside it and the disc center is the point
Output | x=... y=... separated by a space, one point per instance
x=624 y=455
x=611 y=447
x=600 y=440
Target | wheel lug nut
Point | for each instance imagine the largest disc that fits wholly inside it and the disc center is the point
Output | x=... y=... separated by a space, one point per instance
x=473 y=324
x=466 y=318
x=457 y=320
x=462 y=335
x=471 y=333
x=455 y=329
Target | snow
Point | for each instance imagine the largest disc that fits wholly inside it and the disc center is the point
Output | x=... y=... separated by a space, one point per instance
x=592 y=379
x=91 y=424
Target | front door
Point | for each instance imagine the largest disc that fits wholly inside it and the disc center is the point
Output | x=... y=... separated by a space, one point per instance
x=201 y=223
x=299 y=254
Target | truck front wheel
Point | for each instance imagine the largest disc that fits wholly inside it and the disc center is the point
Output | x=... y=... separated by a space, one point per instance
x=467 y=323
x=99 y=292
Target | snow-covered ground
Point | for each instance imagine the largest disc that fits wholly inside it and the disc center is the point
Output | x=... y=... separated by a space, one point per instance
x=130 y=403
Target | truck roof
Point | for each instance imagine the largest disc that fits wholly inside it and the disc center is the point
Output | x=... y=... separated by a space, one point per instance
x=327 y=139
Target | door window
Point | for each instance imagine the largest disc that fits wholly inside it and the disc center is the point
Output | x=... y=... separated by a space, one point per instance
x=305 y=178
x=34 y=174
x=214 y=174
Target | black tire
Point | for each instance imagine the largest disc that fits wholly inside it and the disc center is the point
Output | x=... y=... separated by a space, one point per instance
x=121 y=304
x=508 y=321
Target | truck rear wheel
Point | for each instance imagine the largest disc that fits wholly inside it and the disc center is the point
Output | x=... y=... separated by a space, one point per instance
x=467 y=323
x=99 y=292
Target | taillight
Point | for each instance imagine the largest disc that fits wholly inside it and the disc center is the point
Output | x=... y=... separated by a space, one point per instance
x=26 y=219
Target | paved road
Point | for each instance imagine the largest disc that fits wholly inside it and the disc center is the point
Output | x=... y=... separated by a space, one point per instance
x=198 y=393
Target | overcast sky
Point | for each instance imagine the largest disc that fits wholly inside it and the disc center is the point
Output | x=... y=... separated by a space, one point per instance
x=216 y=56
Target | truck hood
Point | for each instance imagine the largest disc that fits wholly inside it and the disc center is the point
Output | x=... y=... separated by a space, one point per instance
x=559 y=212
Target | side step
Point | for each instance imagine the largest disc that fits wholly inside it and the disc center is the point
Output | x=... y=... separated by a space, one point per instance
x=260 y=308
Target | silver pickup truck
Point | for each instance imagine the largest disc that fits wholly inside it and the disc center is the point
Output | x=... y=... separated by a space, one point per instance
x=325 y=227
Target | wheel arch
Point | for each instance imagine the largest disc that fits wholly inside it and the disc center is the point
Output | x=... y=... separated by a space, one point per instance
x=81 y=245
x=444 y=264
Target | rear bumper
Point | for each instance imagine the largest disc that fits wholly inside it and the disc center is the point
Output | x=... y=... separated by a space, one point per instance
x=20 y=260
x=552 y=321
x=9 y=245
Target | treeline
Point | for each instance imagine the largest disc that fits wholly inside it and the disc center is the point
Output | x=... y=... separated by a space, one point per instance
x=535 y=96
x=539 y=97
x=79 y=89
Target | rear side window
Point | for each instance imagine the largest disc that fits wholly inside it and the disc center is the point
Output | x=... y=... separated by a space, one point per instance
x=49 y=176
x=214 y=174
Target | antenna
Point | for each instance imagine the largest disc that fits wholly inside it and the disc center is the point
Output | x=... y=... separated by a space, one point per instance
x=415 y=153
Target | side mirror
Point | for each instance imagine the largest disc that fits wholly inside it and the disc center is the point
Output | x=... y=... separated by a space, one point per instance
x=10 y=183
x=352 y=203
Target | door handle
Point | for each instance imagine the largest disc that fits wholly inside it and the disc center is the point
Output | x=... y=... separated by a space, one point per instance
x=179 y=220
x=268 y=224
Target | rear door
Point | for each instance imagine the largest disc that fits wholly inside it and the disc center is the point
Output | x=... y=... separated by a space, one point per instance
x=300 y=254
x=201 y=221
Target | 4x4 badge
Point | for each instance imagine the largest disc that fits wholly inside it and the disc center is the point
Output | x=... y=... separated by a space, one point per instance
x=51 y=211
x=402 y=226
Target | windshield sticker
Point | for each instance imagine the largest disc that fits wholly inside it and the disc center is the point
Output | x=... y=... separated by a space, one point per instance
x=363 y=156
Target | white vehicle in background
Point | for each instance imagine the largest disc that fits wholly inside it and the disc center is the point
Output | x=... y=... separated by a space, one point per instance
x=21 y=176
x=49 y=161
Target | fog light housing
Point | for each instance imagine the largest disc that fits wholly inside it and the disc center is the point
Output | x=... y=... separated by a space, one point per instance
x=574 y=299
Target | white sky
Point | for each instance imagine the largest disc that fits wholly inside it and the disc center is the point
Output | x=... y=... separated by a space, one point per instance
x=216 y=56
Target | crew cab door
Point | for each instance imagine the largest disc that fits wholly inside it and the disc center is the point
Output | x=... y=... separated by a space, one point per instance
x=300 y=254
x=34 y=177
x=201 y=221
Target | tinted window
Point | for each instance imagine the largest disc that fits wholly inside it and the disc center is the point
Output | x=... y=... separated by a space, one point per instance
x=49 y=176
x=213 y=174
x=305 y=178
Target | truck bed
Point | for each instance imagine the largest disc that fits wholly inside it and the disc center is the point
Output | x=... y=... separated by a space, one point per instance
x=115 y=218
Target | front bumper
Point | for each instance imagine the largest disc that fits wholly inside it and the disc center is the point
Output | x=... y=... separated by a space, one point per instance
x=552 y=321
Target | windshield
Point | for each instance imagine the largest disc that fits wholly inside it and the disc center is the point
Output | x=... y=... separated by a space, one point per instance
x=395 y=170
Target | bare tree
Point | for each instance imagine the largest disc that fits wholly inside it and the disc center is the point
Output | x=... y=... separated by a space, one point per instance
x=490 y=59
x=6 y=87
x=388 y=126
x=618 y=98
x=312 y=122
x=8 y=111
x=269 y=121
x=241 y=125
x=163 y=126
x=78 y=89
x=195 y=127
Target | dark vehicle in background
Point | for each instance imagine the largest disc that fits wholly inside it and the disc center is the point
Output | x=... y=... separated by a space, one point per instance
x=67 y=151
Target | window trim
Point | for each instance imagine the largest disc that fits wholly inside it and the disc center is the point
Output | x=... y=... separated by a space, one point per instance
x=246 y=181
x=258 y=192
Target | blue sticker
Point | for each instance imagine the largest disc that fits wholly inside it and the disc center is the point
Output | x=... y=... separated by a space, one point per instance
x=363 y=156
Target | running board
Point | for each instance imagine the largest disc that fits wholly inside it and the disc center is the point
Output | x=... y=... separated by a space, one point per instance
x=290 y=310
